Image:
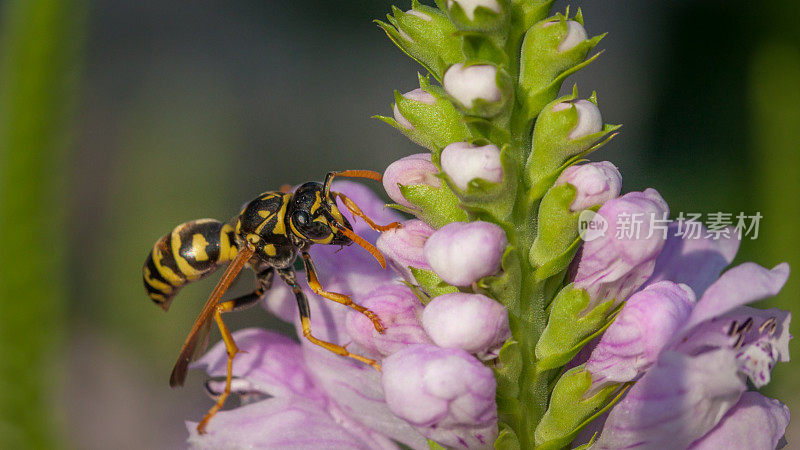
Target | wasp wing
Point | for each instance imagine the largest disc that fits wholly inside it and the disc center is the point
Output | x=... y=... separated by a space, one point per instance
x=198 y=336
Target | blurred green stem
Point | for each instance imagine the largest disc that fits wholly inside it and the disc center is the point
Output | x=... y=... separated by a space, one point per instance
x=41 y=49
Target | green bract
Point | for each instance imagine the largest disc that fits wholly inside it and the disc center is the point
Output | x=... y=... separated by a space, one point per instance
x=539 y=405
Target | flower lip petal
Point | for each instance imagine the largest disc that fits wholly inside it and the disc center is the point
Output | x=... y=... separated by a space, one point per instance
x=296 y=423
x=743 y=284
x=270 y=362
x=675 y=403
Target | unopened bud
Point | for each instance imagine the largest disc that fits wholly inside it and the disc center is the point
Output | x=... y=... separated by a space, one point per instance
x=416 y=95
x=595 y=183
x=472 y=322
x=414 y=169
x=463 y=163
x=467 y=84
x=462 y=253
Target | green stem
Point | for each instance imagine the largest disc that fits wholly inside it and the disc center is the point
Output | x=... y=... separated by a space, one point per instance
x=40 y=50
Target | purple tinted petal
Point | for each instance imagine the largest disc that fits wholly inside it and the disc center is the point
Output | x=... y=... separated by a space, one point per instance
x=755 y=422
x=446 y=393
x=617 y=262
x=676 y=402
x=399 y=310
x=696 y=262
x=645 y=325
x=295 y=423
x=269 y=363
x=403 y=246
x=738 y=286
x=355 y=389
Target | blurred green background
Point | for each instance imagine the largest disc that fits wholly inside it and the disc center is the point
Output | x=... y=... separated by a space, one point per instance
x=120 y=119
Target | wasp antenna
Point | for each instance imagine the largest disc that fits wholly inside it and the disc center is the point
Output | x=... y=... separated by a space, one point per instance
x=364 y=244
x=369 y=174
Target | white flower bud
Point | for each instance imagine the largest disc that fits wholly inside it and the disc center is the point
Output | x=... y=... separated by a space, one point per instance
x=469 y=6
x=462 y=163
x=417 y=95
x=575 y=35
x=466 y=84
x=590 y=120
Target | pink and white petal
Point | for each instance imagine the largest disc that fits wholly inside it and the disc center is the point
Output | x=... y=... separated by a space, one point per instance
x=297 y=423
x=694 y=262
x=675 y=403
x=356 y=389
x=743 y=284
x=645 y=325
x=755 y=422
x=269 y=363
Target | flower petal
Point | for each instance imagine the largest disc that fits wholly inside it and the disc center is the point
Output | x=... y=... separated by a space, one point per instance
x=295 y=423
x=676 y=402
x=616 y=263
x=755 y=422
x=356 y=390
x=645 y=325
x=695 y=262
x=743 y=284
x=269 y=363
x=403 y=247
x=399 y=310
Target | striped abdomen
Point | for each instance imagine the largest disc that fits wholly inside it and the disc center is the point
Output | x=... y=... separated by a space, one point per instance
x=193 y=250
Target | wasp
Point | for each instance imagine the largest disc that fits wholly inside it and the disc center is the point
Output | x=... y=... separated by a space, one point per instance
x=266 y=236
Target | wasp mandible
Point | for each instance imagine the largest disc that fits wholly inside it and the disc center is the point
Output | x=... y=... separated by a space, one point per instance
x=266 y=236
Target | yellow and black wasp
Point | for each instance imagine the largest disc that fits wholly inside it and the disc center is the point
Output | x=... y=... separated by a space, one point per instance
x=266 y=236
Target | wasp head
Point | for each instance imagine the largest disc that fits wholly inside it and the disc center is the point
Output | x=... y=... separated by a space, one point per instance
x=314 y=216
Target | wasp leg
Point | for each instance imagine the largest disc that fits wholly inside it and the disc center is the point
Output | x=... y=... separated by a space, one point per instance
x=290 y=278
x=351 y=205
x=313 y=282
x=264 y=280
